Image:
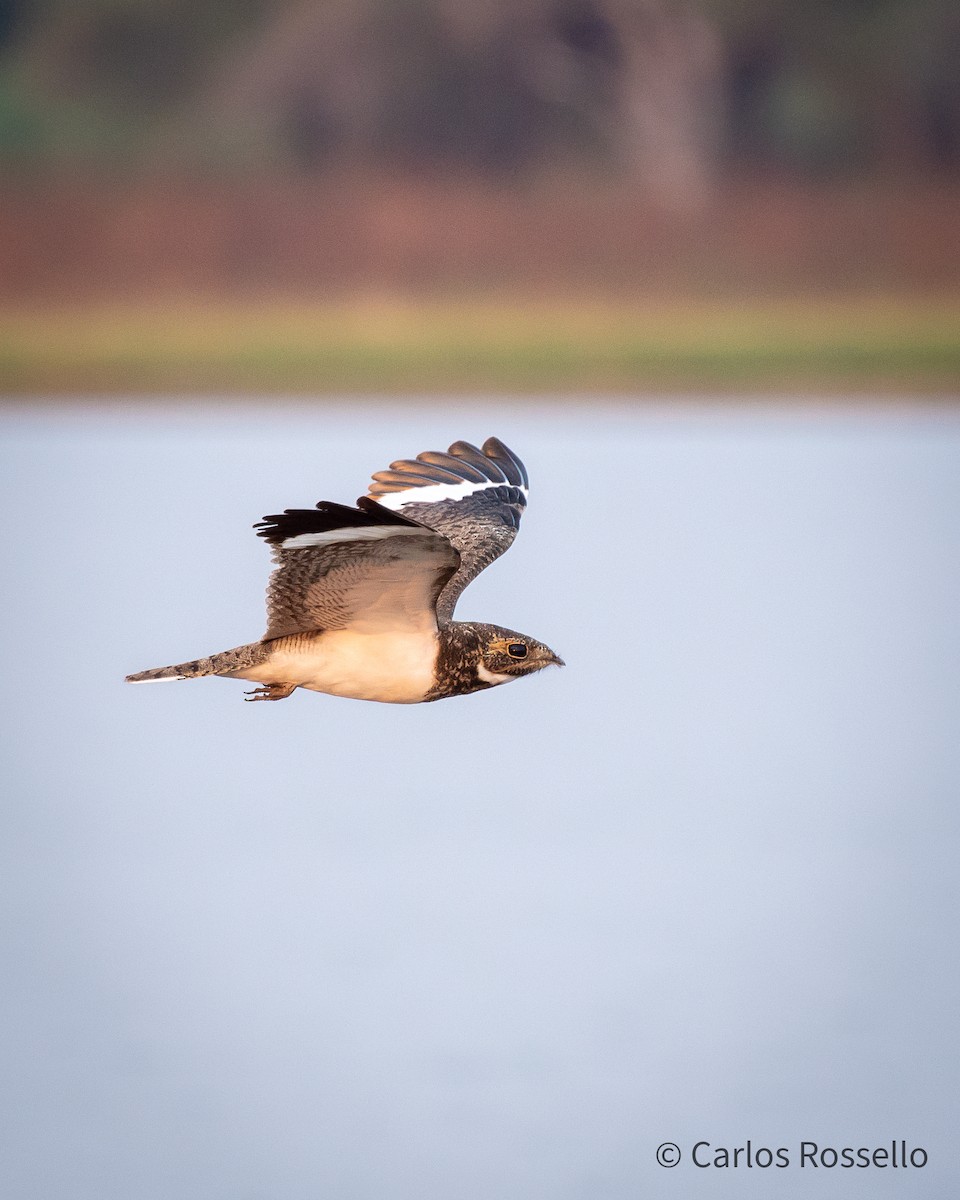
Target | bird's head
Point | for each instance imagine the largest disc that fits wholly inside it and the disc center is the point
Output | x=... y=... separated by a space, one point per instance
x=505 y=655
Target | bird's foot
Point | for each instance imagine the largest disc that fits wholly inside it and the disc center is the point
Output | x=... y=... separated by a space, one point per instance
x=271 y=691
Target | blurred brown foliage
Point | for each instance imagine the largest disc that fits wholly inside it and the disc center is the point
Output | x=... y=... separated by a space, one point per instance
x=430 y=233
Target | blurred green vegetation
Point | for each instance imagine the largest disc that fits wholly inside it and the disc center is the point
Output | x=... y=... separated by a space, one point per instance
x=824 y=86
x=856 y=344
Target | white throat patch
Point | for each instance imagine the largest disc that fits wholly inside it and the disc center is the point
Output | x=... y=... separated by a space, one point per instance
x=492 y=677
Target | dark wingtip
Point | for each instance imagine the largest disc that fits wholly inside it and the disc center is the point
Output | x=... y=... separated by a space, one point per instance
x=508 y=462
x=326 y=516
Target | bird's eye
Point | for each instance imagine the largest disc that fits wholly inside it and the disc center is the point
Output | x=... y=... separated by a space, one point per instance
x=517 y=650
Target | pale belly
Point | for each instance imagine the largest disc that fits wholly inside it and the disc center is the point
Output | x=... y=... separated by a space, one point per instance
x=394 y=667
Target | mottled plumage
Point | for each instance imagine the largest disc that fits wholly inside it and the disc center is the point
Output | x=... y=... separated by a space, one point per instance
x=361 y=600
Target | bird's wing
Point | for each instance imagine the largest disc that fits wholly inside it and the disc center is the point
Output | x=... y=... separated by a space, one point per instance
x=363 y=568
x=475 y=497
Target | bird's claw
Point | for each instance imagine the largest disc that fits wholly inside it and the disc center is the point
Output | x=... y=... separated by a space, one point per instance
x=270 y=691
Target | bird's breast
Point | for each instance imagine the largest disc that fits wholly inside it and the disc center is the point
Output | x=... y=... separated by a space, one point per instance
x=394 y=667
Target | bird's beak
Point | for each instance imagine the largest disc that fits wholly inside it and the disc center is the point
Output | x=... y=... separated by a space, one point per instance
x=556 y=660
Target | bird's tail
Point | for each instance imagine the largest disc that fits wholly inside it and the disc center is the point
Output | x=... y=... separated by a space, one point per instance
x=217 y=664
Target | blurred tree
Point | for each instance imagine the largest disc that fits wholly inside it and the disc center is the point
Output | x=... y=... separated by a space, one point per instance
x=137 y=53
x=11 y=12
x=501 y=86
x=842 y=84
x=653 y=86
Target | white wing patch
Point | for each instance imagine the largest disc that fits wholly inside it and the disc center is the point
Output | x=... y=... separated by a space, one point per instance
x=365 y=533
x=433 y=493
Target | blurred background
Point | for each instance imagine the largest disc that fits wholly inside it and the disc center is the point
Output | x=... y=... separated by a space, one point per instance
x=698 y=264
x=399 y=194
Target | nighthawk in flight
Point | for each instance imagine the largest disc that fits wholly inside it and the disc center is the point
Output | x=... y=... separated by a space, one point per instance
x=361 y=600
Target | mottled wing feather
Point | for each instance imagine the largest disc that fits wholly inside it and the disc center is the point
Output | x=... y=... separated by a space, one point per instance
x=367 y=569
x=474 y=496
